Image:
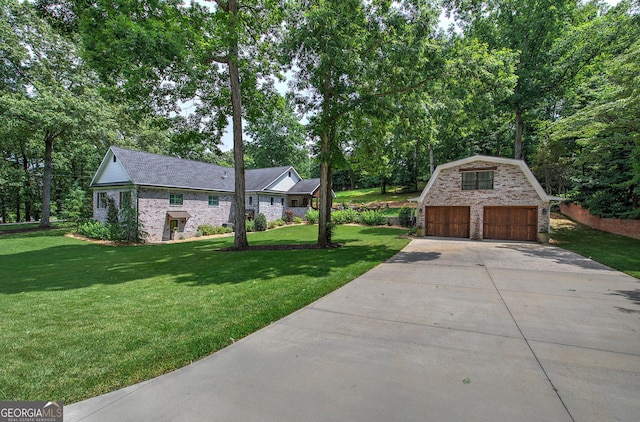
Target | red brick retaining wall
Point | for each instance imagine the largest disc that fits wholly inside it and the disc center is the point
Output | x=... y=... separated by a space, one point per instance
x=629 y=228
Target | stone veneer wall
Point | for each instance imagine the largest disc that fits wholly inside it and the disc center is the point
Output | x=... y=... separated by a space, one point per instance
x=629 y=228
x=154 y=205
x=510 y=188
x=272 y=212
x=100 y=214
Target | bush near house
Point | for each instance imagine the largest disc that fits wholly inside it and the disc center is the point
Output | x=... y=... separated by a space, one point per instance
x=372 y=218
x=208 y=229
x=345 y=216
x=405 y=217
x=312 y=216
x=260 y=223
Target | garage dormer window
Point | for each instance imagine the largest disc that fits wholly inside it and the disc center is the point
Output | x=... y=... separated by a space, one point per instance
x=477 y=180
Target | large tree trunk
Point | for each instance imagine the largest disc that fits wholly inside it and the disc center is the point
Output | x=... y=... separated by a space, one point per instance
x=46 y=181
x=27 y=187
x=324 y=212
x=518 y=142
x=240 y=241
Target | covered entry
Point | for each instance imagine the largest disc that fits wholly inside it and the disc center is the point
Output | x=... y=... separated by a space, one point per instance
x=447 y=221
x=510 y=223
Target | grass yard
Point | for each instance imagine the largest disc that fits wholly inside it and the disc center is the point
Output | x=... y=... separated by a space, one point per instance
x=619 y=252
x=372 y=195
x=18 y=226
x=81 y=319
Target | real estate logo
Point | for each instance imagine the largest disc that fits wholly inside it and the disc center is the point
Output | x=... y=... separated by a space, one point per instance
x=31 y=411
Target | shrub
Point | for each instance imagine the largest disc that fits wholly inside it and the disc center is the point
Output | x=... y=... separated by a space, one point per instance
x=344 y=217
x=130 y=228
x=260 y=223
x=112 y=211
x=95 y=230
x=249 y=225
x=289 y=215
x=312 y=216
x=405 y=217
x=279 y=222
x=271 y=225
x=208 y=229
x=76 y=208
x=372 y=218
x=297 y=220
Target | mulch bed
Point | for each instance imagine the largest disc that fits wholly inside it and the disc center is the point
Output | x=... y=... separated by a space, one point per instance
x=286 y=247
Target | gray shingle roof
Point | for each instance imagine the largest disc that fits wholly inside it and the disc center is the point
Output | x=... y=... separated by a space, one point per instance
x=258 y=179
x=160 y=170
x=307 y=187
x=147 y=169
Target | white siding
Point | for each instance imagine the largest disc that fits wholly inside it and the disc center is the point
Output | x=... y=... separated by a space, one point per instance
x=112 y=172
x=284 y=182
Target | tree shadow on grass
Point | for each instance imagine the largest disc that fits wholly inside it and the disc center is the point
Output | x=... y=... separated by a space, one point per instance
x=69 y=267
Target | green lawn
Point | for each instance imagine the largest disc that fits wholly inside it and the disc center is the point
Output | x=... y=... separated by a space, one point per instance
x=18 y=226
x=82 y=319
x=369 y=195
x=619 y=252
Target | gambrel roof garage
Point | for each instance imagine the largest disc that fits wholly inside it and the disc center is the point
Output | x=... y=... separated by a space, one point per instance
x=483 y=197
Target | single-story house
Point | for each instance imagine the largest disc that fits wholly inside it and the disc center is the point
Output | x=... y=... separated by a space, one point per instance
x=173 y=196
x=484 y=197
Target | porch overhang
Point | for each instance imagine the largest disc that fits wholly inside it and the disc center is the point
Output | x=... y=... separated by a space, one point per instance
x=177 y=215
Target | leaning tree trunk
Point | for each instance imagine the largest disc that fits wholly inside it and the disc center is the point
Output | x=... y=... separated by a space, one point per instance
x=46 y=181
x=240 y=240
x=518 y=142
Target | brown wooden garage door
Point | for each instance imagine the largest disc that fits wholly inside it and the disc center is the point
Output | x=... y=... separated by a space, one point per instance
x=447 y=221
x=510 y=223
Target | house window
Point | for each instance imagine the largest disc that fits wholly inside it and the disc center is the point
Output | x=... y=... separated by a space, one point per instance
x=214 y=201
x=294 y=202
x=251 y=200
x=281 y=201
x=125 y=199
x=289 y=174
x=272 y=200
x=175 y=199
x=114 y=159
x=477 y=180
x=102 y=200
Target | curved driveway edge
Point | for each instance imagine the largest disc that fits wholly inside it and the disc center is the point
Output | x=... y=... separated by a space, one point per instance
x=445 y=330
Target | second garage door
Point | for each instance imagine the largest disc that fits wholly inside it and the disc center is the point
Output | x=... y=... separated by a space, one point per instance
x=510 y=223
x=447 y=221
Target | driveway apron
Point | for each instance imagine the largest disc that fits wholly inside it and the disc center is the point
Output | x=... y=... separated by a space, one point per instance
x=447 y=330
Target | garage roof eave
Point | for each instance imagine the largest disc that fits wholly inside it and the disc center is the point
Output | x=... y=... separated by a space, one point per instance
x=555 y=199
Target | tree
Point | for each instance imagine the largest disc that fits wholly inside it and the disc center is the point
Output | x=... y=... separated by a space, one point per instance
x=277 y=138
x=538 y=32
x=56 y=97
x=348 y=55
x=242 y=34
x=594 y=145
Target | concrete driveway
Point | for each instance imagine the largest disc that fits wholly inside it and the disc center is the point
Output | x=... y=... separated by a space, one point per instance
x=447 y=330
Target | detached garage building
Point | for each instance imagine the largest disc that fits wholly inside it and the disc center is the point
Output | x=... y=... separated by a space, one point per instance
x=484 y=197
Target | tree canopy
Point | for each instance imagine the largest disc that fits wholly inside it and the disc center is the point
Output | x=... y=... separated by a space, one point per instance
x=377 y=92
